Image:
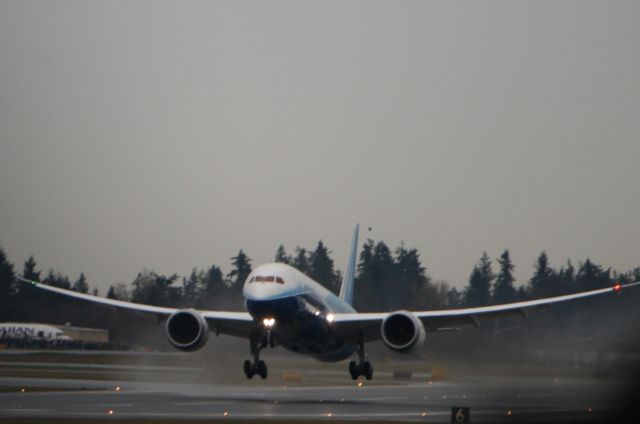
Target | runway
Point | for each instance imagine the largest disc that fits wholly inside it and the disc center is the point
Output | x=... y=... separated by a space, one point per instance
x=489 y=400
x=141 y=386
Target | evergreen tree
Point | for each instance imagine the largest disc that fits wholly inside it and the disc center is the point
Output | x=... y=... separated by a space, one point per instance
x=383 y=277
x=281 y=256
x=503 y=290
x=522 y=294
x=566 y=278
x=321 y=268
x=453 y=299
x=542 y=282
x=591 y=277
x=365 y=267
x=213 y=287
x=81 y=284
x=478 y=293
x=7 y=287
x=111 y=293
x=142 y=287
x=118 y=292
x=363 y=293
x=240 y=271
x=27 y=292
x=191 y=288
x=436 y=296
x=56 y=279
x=172 y=294
x=413 y=286
x=301 y=260
x=154 y=289
x=29 y=271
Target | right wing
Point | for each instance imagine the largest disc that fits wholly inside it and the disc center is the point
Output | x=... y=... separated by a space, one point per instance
x=366 y=326
x=238 y=324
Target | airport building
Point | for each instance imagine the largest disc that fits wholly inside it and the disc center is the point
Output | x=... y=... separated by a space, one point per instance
x=82 y=334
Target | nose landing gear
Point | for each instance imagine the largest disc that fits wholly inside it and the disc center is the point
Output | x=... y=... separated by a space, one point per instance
x=258 y=366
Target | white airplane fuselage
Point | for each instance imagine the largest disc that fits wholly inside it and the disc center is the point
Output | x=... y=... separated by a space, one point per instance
x=30 y=331
x=296 y=311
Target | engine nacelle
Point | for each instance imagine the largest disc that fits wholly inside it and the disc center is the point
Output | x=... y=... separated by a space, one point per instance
x=402 y=331
x=187 y=330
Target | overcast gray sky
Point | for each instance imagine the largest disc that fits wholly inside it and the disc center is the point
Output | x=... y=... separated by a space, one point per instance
x=168 y=135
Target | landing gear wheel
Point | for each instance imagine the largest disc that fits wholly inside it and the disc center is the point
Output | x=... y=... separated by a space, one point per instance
x=353 y=370
x=248 y=369
x=257 y=342
x=367 y=370
x=362 y=367
x=262 y=369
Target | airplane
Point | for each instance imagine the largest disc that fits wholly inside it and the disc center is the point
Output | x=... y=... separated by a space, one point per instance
x=31 y=331
x=285 y=307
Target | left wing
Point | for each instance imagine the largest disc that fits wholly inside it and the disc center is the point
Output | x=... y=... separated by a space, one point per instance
x=367 y=325
x=232 y=323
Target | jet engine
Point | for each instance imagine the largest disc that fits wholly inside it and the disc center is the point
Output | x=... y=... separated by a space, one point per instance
x=187 y=330
x=402 y=331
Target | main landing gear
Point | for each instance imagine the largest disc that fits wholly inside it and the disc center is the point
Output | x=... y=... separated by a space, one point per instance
x=362 y=367
x=258 y=366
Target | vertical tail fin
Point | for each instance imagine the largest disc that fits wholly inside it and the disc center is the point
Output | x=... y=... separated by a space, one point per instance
x=346 y=290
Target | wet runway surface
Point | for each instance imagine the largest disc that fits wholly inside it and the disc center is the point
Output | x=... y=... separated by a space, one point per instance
x=490 y=400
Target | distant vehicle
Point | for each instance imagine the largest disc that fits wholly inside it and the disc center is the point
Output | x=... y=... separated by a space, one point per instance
x=31 y=331
x=289 y=309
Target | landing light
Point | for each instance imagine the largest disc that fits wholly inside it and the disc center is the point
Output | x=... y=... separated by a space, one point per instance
x=269 y=322
x=617 y=287
x=330 y=317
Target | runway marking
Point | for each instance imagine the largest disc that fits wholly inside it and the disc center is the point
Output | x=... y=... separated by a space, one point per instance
x=375 y=399
x=212 y=402
x=26 y=410
x=286 y=415
x=105 y=405
x=63 y=365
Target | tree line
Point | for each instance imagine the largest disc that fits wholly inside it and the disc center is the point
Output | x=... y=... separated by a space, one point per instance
x=385 y=280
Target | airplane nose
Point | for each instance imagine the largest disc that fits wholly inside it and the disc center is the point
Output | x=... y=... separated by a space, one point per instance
x=268 y=291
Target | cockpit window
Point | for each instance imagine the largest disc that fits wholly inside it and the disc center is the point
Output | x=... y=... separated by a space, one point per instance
x=267 y=279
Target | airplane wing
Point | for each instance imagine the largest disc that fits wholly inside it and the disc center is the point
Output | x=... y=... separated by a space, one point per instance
x=237 y=324
x=367 y=325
